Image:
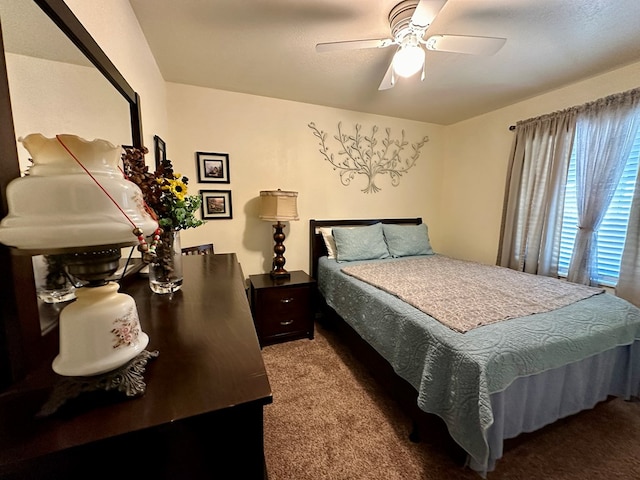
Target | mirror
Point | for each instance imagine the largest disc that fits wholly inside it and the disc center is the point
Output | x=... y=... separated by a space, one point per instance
x=54 y=78
x=54 y=88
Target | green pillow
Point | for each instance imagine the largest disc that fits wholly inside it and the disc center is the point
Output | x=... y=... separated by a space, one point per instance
x=406 y=240
x=362 y=243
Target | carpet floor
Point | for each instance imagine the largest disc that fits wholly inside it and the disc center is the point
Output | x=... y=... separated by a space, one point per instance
x=331 y=419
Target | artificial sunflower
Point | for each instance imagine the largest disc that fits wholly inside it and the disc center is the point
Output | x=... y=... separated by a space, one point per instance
x=176 y=186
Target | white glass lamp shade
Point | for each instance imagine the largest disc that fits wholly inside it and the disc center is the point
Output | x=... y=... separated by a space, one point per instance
x=408 y=60
x=278 y=205
x=59 y=205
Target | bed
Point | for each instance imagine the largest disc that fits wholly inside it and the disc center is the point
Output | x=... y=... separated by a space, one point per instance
x=491 y=382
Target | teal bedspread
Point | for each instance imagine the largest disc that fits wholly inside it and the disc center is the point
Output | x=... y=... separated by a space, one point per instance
x=456 y=373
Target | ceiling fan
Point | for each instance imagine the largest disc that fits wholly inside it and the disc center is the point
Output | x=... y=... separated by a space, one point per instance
x=409 y=21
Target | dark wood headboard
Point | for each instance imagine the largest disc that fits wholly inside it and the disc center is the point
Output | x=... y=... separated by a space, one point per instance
x=317 y=247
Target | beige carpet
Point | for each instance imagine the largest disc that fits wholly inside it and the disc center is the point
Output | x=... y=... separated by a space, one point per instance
x=331 y=420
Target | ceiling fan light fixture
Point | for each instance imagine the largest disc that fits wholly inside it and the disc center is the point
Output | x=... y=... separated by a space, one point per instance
x=408 y=60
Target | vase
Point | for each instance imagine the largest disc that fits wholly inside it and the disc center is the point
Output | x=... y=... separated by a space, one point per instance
x=165 y=270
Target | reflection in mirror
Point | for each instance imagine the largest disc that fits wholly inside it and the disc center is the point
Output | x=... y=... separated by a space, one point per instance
x=54 y=88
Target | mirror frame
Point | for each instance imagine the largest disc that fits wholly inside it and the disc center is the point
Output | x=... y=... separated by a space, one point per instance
x=22 y=347
x=66 y=21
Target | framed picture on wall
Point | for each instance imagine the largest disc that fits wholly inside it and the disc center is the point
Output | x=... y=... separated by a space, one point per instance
x=216 y=204
x=213 y=167
x=160 y=150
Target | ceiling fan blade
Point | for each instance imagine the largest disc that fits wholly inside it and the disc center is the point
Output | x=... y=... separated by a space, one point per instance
x=353 y=45
x=426 y=11
x=388 y=81
x=465 y=44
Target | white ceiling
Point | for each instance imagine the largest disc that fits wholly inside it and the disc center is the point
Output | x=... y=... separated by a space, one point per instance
x=267 y=47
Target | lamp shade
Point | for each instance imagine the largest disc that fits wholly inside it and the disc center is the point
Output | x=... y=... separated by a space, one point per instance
x=74 y=196
x=278 y=205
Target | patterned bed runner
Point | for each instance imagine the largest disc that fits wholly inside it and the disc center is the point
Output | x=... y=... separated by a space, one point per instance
x=464 y=295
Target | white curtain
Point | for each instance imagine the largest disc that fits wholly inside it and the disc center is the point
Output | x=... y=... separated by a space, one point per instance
x=605 y=132
x=628 y=286
x=534 y=198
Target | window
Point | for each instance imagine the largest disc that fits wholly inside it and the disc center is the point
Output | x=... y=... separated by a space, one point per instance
x=613 y=229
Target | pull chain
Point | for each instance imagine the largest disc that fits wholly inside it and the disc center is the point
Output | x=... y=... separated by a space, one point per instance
x=143 y=247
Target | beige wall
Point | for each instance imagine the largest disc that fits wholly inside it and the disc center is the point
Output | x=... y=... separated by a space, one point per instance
x=44 y=99
x=476 y=157
x=270 y=146
x=115 y=28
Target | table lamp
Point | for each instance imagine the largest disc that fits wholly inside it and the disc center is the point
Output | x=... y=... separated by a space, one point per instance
x=278 y=206
x=76 y=203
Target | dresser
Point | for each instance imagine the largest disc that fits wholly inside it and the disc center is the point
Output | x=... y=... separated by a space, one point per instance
x=200 y=417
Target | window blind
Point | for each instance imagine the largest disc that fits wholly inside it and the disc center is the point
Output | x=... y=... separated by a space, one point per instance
x=613 y=229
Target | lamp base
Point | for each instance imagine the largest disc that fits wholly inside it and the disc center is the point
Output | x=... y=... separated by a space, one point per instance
x=127 y=379
x=277 y=266
x=276 y=274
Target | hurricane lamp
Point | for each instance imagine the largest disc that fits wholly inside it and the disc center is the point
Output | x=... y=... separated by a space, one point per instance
x=76 y=203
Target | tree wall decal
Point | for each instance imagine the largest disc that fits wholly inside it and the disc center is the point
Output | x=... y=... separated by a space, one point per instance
x=360 y=154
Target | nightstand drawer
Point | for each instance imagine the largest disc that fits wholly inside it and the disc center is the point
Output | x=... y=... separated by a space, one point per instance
x=284 y=310
x=285 y=301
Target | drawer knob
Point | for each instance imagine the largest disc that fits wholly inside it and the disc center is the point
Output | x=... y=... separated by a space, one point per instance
x=287 y=300
x=284 y=323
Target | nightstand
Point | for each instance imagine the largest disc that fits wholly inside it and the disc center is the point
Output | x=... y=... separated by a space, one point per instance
x=282 y=308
